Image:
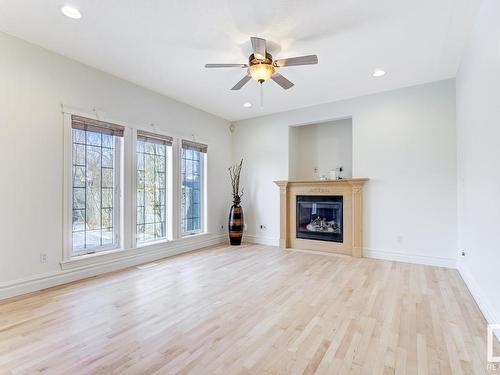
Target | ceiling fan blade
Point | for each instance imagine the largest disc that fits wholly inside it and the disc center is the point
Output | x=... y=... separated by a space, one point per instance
x=282 y=81
x=226 y=66
x=294 y=61
x=242 y=82
x=259 y=47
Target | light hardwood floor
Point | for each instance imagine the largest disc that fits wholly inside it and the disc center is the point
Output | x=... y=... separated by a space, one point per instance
x=250 y=309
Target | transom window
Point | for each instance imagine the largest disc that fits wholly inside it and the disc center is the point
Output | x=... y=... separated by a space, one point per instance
x=152 y=164
x=95 y=165
x=192 y=163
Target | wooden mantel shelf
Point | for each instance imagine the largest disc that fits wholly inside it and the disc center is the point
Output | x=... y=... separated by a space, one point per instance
x=352 y=192
x=350 y=181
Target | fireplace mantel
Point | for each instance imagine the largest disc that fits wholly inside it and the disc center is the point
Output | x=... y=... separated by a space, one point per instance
x=352 y=192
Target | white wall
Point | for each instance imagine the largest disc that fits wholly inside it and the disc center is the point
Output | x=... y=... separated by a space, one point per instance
x=403 y=140
x=478 y=122
x=322 y=147
x=34 y=84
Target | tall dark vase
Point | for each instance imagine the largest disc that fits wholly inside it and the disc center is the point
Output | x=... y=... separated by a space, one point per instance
x=235 y=224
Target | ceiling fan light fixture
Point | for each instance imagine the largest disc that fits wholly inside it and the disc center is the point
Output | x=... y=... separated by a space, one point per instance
x=378 y=73
x=247 y=104
x=261 y=72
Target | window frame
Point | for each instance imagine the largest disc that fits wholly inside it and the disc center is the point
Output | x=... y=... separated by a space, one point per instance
x=117 y=244
x=169 y=201
x=116 y=208
x=203 y=200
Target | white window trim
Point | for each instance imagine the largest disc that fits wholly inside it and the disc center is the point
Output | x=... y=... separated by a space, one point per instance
x=203 y=198
x=68 y=252
x=128 y=204
x=169 y=198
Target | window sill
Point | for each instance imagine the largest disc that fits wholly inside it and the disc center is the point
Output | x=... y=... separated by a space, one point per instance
x=152 y=243
x=192 y=234
x=158 y=249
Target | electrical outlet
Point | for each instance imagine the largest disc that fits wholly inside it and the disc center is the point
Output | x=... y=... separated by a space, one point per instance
x=43 y=257
x=245 y=227
x=399 y=239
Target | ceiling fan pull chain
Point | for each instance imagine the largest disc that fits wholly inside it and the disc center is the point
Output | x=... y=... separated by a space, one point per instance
x=261 y=95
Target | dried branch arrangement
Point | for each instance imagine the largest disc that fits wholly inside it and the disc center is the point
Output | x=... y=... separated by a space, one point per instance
x=234 y=173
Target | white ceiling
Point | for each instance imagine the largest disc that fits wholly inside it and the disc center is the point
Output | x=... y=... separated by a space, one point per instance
x=163 y=45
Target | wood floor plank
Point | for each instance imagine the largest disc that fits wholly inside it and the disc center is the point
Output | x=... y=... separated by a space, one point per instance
x=249 y=310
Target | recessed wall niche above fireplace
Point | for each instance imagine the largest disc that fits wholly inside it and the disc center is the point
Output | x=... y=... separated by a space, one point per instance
x=322 y=215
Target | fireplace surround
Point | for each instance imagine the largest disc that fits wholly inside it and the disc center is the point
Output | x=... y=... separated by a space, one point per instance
x=322 y=215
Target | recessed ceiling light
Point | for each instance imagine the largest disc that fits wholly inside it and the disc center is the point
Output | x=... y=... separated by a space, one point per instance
x=378 y=73
x=247 y=105
x=71 y=12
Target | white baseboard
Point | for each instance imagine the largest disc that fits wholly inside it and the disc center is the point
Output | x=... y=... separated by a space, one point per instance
x=117 y=262
x=484 y=304
x=269 y=241
x=409 y=258
x=371 y=253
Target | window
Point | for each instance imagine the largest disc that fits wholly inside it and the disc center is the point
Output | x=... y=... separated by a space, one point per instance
x=95 y=187
x=152 y=157
x=127 y=188
x=192 y=169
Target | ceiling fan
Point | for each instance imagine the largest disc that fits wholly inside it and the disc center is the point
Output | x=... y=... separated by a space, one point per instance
x=261 y=65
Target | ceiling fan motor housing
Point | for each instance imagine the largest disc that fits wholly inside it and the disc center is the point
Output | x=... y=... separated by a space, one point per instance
x=261 y=69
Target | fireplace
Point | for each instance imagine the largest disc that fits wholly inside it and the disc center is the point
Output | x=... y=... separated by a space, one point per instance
x=333 y=209
x=320 y=217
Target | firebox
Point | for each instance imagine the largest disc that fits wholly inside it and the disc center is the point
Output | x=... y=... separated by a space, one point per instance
x=320 y=217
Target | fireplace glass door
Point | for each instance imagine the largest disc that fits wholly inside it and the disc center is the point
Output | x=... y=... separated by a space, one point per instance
x=320 y=218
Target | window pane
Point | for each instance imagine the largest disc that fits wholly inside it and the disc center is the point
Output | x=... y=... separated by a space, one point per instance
x=151 y=191
x=140 y=197
x=107 y=177
x=107 y=140
x=140 y=215
x=78 y=220
x=140 y=146
x=79 y=198
x=78 y=176
x=149 y=148
x=160 y=150
x=93 y=139
x=92 y=238
x=93 y=189
x=107 y=198
x=107 y=236
x=78 y=240
x=107 y=157
x=191 y=187
x=140 y=161
x=140 y=232
x=78 y=136
x=78 y=154
x=107 y=218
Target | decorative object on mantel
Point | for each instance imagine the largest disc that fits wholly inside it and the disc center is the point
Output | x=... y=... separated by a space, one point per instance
x=336 y=174
x=235 y=224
